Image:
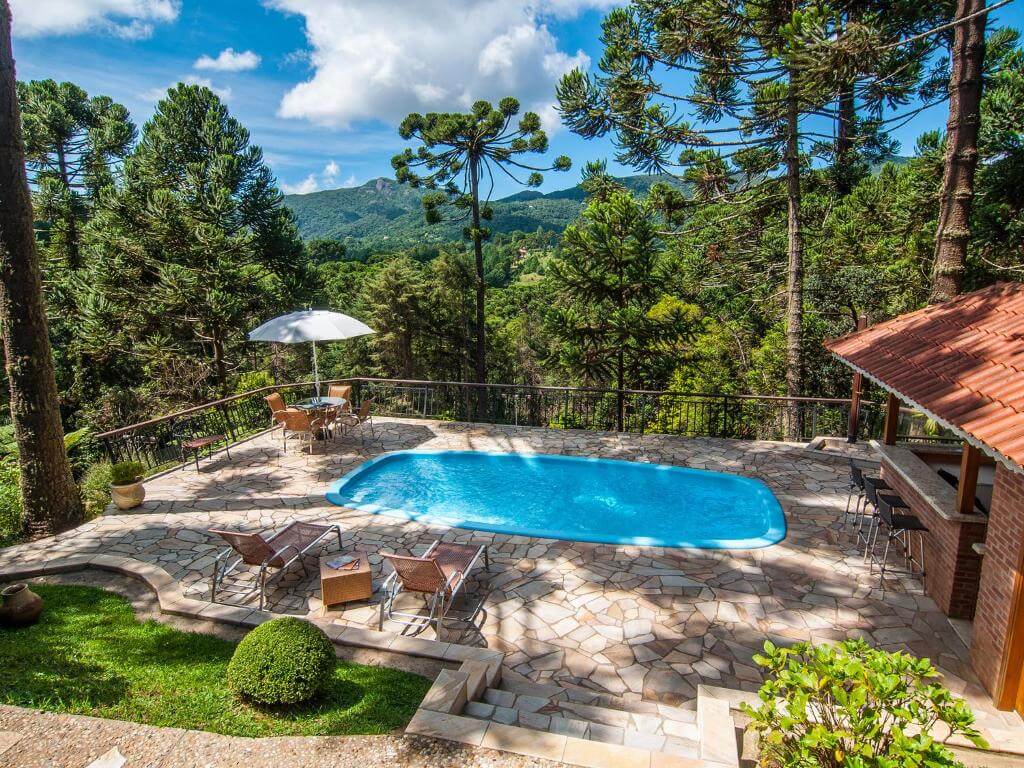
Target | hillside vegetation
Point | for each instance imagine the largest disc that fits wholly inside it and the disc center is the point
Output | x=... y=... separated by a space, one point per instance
x=382 y=211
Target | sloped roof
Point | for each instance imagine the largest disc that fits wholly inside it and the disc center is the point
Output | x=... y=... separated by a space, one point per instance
x=961 y=362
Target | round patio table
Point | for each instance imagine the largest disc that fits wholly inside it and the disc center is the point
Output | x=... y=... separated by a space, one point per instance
x=320 y=403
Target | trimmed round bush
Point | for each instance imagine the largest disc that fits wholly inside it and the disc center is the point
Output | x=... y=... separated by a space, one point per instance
x=283 y=661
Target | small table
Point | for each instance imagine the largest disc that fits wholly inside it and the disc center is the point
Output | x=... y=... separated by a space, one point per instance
x=346 y=584
x=321 y=403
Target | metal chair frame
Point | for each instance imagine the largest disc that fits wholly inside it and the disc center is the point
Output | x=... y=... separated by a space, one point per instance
x=221 y=567
x=438 y=603
x=898 y=528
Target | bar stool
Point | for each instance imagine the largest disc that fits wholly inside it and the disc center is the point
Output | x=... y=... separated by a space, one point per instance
x=872 y=485
x=856 y=494
x=899 y=526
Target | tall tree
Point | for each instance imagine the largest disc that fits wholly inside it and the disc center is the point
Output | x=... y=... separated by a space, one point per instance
x=610 y=318
x=747 y=103
x=71 y=141
x=192 y=250
x=50 y=498
x=962 y=128
x=458 y=156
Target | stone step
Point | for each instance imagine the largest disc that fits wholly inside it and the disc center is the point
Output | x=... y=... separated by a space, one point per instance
x=674 y=734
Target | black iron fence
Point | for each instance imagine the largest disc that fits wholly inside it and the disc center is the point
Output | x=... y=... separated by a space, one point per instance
x=157 y=442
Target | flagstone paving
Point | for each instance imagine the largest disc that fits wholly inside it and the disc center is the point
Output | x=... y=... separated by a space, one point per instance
x=635 y=622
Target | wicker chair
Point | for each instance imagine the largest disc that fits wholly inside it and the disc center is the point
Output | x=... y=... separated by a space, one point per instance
x=439 y=575
x=278 y=552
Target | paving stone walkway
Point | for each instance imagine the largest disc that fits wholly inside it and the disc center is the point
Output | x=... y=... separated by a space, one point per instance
x=634 y=622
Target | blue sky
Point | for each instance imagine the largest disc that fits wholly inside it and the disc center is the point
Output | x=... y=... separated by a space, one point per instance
x=321 y=84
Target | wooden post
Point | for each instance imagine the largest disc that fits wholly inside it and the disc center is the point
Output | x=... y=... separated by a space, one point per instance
x=967 y=489
x=892 y=419
x=855 y=394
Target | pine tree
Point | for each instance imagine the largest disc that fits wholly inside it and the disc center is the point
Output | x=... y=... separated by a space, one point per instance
x=610 y=318
x=50 y=498
x=71 y=143
x=459 y=154
x=192 y=250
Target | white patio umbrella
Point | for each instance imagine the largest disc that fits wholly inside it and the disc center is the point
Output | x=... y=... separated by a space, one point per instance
x=310 y=325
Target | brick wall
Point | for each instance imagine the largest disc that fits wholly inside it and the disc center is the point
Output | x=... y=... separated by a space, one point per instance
x=1004 y=545
x=952 y=567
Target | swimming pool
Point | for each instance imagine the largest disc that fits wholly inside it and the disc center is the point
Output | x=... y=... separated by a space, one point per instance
x=567 y=497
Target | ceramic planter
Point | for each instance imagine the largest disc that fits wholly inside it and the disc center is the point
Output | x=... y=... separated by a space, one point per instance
x=21 y=606
x=128 y=496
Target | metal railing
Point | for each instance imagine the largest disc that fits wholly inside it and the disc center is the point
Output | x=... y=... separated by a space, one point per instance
x=156 y=442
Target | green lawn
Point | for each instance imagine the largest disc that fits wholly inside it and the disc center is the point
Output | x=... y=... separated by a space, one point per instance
x=89 y=655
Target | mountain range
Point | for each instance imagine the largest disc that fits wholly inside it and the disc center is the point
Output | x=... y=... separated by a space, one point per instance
x=383 y=212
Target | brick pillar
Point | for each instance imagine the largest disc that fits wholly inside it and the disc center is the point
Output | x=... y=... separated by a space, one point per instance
x=1004 y=546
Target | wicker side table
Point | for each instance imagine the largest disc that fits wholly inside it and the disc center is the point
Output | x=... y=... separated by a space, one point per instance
x=343 y=585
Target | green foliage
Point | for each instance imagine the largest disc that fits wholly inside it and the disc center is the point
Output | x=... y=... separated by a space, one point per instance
x=611 y=322
x=383 y=216
x=250 y=380
x=284 y=661
x=89 y=655
x=190 y=251
x=10 y=504
x=95 y=488
x=854 y=706
x=126 y=472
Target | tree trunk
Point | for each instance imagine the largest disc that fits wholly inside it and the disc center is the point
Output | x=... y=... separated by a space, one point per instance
x=481 y=288
x=795 y=283
x=847 y=114
x=954 y=228
x=218 y=362
x=50 y=499
x=74 y=248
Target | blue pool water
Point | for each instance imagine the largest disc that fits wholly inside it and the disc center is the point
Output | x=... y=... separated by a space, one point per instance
x=567 y=497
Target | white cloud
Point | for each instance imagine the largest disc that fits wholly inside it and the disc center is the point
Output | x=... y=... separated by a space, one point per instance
x=133 y=19
x=229 y=60
x=376 y=60
x=156 y=94
x=326 y=179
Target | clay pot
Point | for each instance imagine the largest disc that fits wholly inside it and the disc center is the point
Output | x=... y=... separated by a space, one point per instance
x=21 y=606
x=128 y=496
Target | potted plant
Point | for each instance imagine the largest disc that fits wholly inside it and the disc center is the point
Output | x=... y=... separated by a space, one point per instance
x=126 y=484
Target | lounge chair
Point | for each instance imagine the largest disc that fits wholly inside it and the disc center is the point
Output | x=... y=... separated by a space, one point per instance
x=438 y=575
x=278 y=552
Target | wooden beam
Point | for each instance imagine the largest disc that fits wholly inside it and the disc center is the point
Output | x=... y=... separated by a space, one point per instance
x=892 y=419
x=858 y=384
x=967 y=489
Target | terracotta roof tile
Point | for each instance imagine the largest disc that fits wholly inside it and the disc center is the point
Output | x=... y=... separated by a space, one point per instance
x=962 y=362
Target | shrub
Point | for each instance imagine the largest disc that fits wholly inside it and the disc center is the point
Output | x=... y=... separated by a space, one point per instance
x=855 y=706
x=10 y=504
x=284 y=661
x=95 y=488
x=126 y=472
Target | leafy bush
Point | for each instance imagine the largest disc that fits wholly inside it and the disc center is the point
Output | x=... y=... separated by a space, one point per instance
x=284 y=661
x=251 y=380
x=854 y=706
x=10 y=504
x=126 y=472
x=95 y=488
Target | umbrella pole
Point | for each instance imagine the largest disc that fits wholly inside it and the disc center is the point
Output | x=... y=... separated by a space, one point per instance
x=316 y=372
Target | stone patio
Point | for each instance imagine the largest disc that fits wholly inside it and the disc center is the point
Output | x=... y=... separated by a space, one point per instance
x=633 y=622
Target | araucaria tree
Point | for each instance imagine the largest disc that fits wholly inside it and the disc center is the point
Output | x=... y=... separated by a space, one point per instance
x=50 y=498
x=457 y=159
x=610 y=321
x=71 y=142
x=742 y=130
x=191 y=250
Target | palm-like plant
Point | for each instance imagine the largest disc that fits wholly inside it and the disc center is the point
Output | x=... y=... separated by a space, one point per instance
x=459 y=154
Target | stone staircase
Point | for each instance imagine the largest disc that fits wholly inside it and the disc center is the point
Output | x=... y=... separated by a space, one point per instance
x=477 y=705
x=584 y=714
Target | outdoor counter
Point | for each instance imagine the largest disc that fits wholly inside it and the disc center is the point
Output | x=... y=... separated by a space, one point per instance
x=953 y=566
